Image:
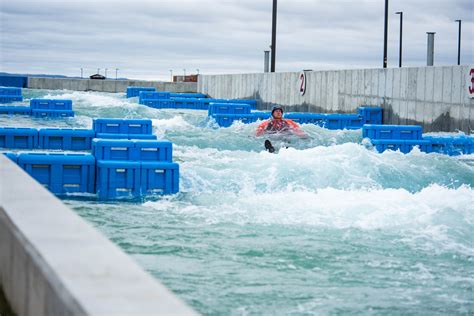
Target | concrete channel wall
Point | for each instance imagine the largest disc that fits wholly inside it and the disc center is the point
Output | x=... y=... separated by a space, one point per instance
x=434 y=97
x=107 y=85
x=54 y=263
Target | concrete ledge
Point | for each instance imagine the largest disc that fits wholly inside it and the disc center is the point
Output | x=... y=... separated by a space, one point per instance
x=52 y=262
x=107 y=85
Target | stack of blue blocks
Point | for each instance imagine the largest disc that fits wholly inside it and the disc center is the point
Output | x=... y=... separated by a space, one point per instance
x=135 y=91
x=51 y=108
x=114 y=128
x=59 y=172
x=131 y=168
x=9 y=94
x=405 y=137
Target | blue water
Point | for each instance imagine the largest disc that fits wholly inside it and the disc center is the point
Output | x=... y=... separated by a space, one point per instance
x=326 y=226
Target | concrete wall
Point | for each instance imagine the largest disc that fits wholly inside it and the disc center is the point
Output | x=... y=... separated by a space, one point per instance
x=434 y=97
x=54 y=263
x=107 y=85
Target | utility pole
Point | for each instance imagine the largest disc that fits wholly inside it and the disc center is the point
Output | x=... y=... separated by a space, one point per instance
x=274 y=25
x=401 y=34
x=385 y=36
x=459 y=42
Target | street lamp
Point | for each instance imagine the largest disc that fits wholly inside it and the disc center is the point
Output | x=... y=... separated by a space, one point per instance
x=81 y=72
x=184 y=71
x=401 y=32
x=171 y=74
x=116 y=71
x=274 y=26
x=459 y=42
x=105 y=72
x=98 y=70
x=385 y=35
x=197 y=70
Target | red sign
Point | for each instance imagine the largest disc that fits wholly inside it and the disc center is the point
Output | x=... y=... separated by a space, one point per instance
x=302 y=82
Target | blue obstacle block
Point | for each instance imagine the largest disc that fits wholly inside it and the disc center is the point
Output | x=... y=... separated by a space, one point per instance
x=261 y=115
x=122 y=126
x=206 y=101
x=125 y=136
x=10 y=98
x=114 y=149
x=160 y=103
x=153 y=150
x=187 y=95
x=407 y=132
x=159 y=177
x=51 y=104
x=118 y=179
x=187 y=103
x=226 y=120
x=135 y=91
x=405 y=146
x=12 y=156
x=307 y=118
x=229 y=108
x=11 y=91
x=14 y=81
x=13 y=110
x=449 y=145
x=371 y=115
x=18 y=137
x=65 y=138
x=60 y=173
x=40 y=113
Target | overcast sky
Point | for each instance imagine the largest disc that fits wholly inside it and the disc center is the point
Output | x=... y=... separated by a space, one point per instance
x=147 y=39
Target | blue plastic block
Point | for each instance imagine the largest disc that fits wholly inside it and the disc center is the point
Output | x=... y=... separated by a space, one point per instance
x=18 y=137
x=450 y=145
x=51 y=104
x=12 y=156
x=52 y=113
x=125 y=136
x=260 y=115
x=207 y=101
x=118 y=179
x=226 y=120
x=405 y=146
x=469 y=149
x=122 y=126
x=412 y=132
x=187 y=95
x=152 y=95
x=228 y=108
x=371 y=115
x=60 y=173
x=4 y=91
x=10 y=98
x=12 y=110
x=160 y=103
x=14 y=81
x=308 y=118
x=113 y=149
x=65 y=139
x=153 y=150
x=159 y=177
x=186 y=103
x=135 y=91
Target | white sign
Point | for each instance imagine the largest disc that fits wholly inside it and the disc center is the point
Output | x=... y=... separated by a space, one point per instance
x=302 y=82
x=470 y=83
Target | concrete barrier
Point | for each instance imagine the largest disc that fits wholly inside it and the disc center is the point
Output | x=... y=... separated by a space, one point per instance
x=54 y=263
x=106 y=85
x=434 y=97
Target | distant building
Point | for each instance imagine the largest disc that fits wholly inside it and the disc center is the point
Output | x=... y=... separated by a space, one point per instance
x=190 y=78
x=97 y=76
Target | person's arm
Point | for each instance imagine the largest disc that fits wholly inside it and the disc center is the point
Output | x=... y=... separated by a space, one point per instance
x=261 y=128
x=295 y=128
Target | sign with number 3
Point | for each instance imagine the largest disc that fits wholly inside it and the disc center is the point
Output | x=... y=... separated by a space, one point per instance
x=470 y=83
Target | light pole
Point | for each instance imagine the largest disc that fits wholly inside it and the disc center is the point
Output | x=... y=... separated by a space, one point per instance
x=116 y=72
x=274 y=26
x=401 y=34
x=385 y=35
x=105 y=72
x=171 y=74
x=184 y=71
x=197 y=70
x=81 y=73
x=459 y=42
x=98 y=70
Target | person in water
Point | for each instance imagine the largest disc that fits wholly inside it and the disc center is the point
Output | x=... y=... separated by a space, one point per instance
x=277 y=124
